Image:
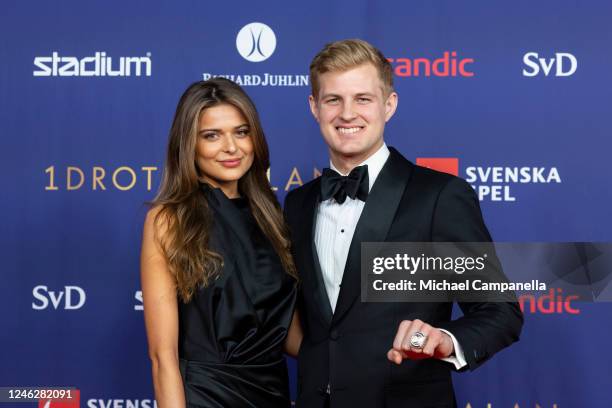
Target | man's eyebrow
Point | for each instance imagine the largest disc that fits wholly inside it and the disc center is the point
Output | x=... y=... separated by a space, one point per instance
x=359 y=95
x=330 y=95
x=365 y=94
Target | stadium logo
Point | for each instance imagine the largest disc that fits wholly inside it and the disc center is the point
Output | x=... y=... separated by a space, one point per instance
x=494 y=183
x=98 y=65
x=256 y=42
x=564 y=64
x=71 y=298
x=448 y=65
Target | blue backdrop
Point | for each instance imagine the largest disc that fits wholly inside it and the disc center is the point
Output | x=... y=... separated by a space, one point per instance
x=88 y=90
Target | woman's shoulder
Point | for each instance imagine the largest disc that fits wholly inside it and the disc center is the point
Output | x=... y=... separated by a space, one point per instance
x=157 y=221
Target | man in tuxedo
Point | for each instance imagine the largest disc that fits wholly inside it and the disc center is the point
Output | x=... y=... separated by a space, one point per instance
x=359 y=354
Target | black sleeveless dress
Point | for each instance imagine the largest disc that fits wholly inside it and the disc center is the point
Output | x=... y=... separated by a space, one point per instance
x=231 y=333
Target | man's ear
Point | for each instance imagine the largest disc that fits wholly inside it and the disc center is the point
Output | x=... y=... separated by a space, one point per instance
x=390 y=105
x=313 y=107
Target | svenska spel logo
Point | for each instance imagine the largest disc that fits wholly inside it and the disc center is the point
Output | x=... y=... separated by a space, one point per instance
x=71 y=401
x=256 y=42
x=494 y=183
x=448 y=165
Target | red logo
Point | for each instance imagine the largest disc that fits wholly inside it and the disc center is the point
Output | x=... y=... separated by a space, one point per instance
x=448 y=165
x=551 y=302
x=449 y=65
x=61 y=399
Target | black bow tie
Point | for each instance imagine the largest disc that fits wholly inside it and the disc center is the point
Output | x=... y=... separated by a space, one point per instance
x=355 y=185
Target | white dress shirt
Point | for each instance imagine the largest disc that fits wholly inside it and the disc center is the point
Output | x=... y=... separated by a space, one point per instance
x=334 y=231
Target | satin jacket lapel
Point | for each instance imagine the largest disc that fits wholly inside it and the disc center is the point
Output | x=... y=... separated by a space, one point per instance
x=373 y=225
x=309 y=250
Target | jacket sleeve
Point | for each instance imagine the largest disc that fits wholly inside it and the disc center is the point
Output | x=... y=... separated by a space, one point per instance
x=485 y=327
x=287 y=206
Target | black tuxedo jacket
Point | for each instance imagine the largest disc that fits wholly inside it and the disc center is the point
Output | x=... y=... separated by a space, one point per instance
x=347 y=349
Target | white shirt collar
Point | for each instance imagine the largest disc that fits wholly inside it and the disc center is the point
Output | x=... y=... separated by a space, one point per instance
x=375 y=164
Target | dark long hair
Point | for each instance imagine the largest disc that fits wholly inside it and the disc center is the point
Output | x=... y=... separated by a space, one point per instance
x=183 y=213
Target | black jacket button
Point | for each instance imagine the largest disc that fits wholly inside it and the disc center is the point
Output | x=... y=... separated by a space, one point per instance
x=334 y=334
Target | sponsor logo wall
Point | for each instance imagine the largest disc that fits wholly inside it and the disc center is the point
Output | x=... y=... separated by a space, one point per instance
x=515 y=98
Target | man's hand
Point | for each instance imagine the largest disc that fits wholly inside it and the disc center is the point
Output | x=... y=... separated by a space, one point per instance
x=438 y=344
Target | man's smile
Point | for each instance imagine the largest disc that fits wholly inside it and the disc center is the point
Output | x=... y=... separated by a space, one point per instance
x=349 y=130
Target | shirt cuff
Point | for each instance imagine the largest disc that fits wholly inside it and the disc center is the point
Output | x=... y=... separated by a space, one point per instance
x=458 y=360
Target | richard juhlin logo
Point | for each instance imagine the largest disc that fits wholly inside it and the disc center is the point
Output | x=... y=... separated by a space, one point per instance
x=256 y=42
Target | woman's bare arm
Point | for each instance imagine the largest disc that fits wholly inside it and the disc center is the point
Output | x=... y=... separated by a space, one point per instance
x=161 y=317
x=294 y=337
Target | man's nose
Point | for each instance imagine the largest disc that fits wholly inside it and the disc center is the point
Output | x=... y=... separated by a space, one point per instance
x=348 y=113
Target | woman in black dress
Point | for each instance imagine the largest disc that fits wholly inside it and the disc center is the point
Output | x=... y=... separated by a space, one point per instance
x=218 y=280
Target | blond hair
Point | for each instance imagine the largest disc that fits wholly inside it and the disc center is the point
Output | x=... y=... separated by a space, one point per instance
x=343 y=55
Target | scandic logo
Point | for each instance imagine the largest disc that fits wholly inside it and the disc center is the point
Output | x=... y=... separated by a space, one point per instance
x=449 y=65
x=550 y=303
x=493 y=183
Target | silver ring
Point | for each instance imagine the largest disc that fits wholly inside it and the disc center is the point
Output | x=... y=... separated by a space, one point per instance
x=417 y=340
